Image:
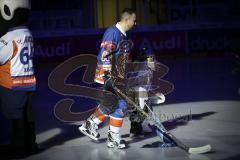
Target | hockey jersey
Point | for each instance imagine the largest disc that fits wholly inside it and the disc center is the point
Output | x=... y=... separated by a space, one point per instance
x=16 y=65
x=110 y=41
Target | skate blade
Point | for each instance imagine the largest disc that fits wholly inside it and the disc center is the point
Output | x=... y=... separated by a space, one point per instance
x=135 y=136
x=83 y=131
x=111 y=145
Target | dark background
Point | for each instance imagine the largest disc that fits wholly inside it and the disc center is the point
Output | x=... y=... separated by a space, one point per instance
x=197 y=39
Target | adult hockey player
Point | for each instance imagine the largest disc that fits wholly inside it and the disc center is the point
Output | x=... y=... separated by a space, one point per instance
x=109 y=49
x=17 y=80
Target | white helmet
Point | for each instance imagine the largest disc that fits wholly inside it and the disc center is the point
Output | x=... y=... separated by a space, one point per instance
x=8 y=7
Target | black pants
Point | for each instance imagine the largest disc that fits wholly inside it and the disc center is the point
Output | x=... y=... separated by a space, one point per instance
x=17 y=107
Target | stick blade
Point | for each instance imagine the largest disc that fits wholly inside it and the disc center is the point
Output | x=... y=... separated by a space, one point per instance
x=200 y=150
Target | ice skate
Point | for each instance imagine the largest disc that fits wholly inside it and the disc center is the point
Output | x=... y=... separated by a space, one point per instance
x=136 y=130
x=89 y=128
x=114 y=140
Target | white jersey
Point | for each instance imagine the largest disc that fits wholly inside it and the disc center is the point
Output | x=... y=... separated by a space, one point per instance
x=16 y=66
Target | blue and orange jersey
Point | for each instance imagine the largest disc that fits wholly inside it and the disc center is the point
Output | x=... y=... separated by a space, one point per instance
x=109 y=46
x=16 y=65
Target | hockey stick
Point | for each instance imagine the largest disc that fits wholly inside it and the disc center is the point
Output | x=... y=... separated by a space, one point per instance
x=161 y=129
